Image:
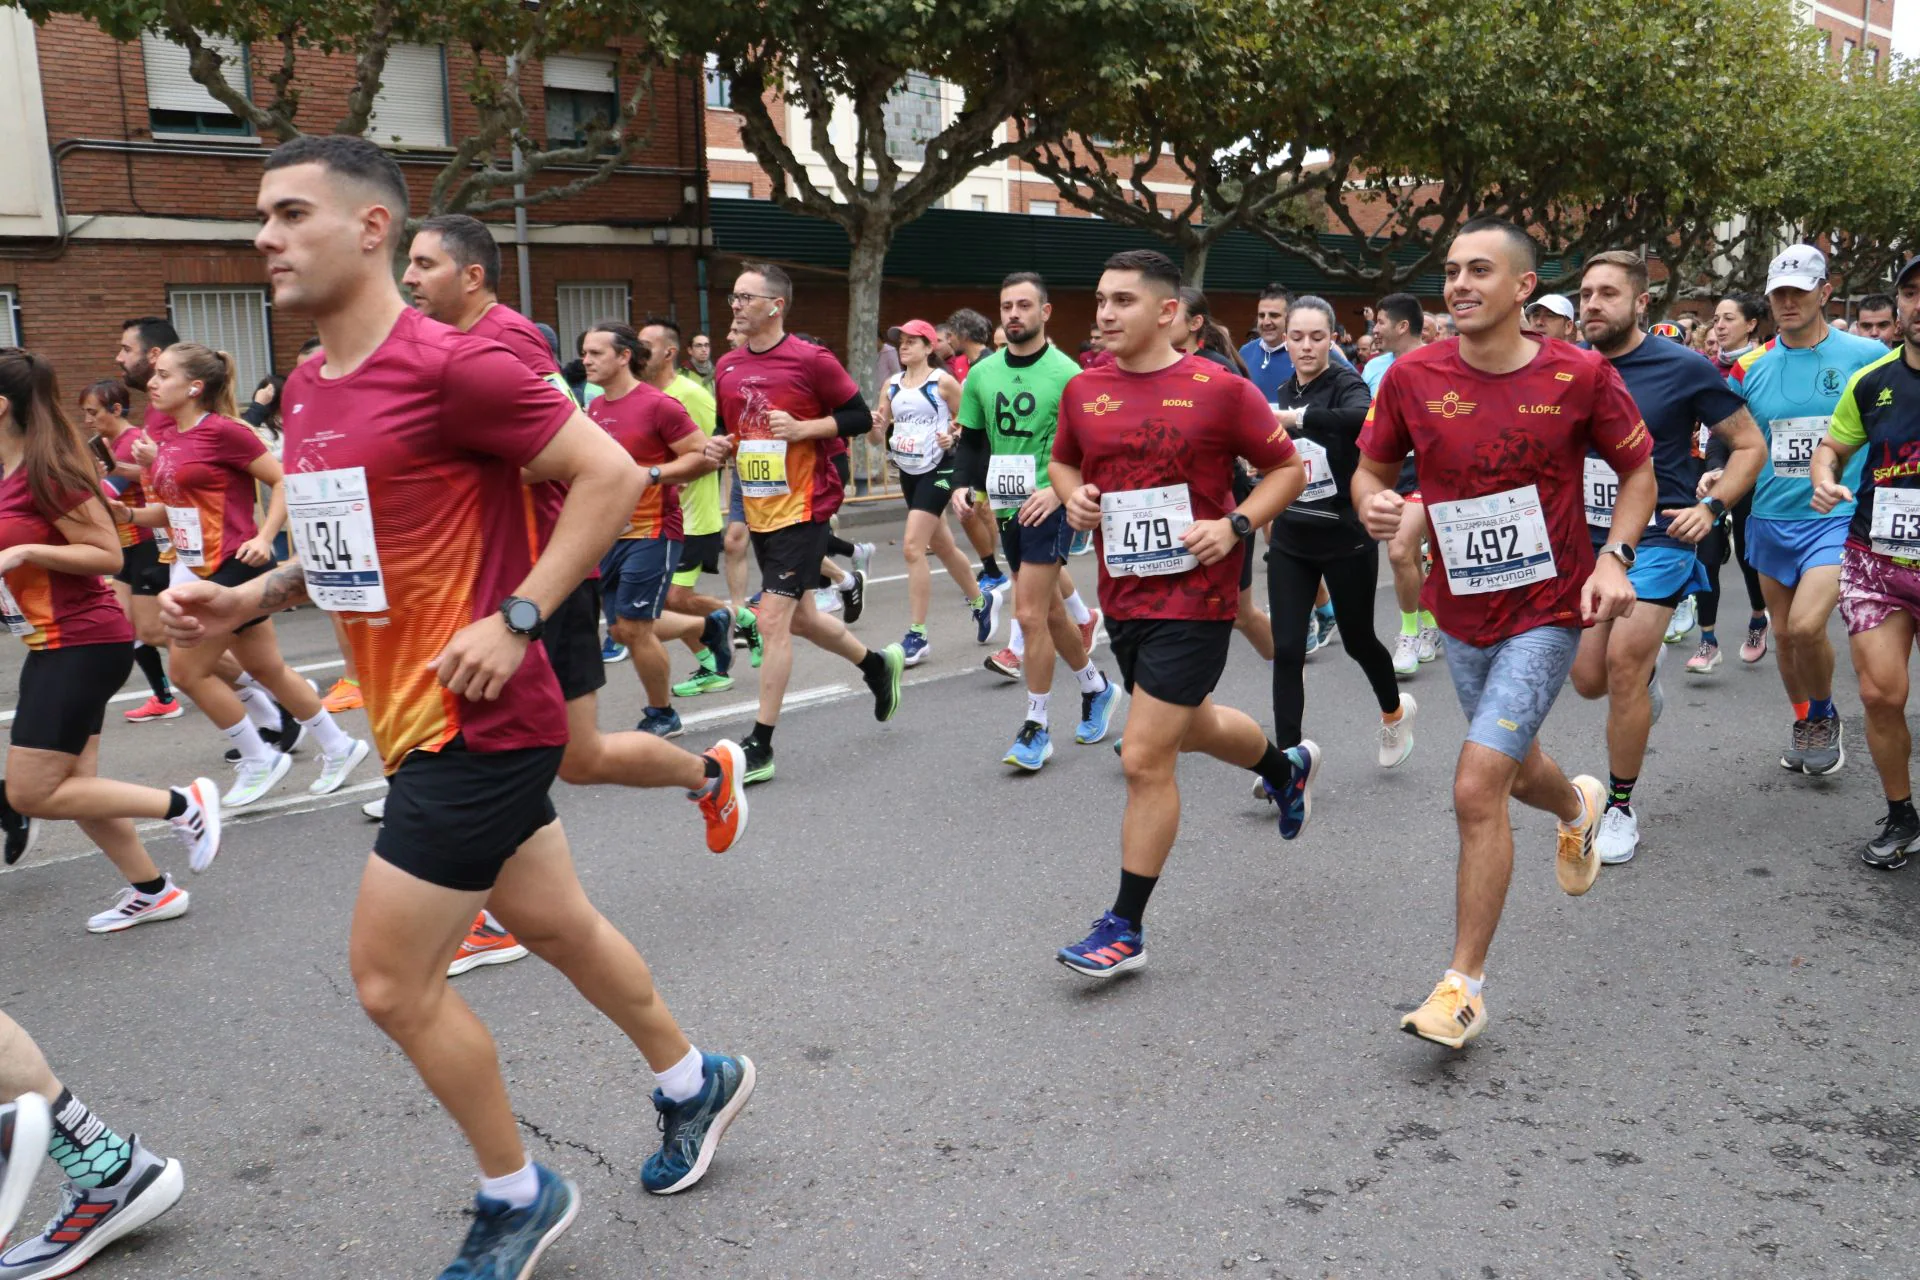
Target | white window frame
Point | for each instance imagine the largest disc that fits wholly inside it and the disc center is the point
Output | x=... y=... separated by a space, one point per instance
x=171 y=86
x=719 y=88
x=590 y=73
x=231 y=318
x=730 y=190
x=411 y=109
x=1043 y=208
x=581 y=304
x=978 y=203
x=9 y=316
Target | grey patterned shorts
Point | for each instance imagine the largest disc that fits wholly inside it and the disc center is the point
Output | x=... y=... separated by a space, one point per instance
x=1507 y=689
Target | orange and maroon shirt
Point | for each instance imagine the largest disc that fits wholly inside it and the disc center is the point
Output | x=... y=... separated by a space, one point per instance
x=131 y=493
x=647 y=421
x=798 y=483
x=45 y=608
x=440 y=423
x=201 y=475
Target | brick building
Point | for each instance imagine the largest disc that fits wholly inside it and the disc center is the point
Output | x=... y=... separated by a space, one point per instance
x=1853 y=25
x=127 y=190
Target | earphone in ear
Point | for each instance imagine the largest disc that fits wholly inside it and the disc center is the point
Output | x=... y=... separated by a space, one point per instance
x=776 y=308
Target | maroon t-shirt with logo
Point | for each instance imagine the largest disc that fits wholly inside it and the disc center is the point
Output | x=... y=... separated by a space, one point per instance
x=1184 y=424
x=647 y=421
x=1476 y=434
x=63 y=609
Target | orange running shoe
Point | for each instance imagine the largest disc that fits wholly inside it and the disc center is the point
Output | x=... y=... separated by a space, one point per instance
x=725 y=807
x=154 y=709
x=1450 y=1016
x=486 y=943
x=1089 y=627
x=1577 y=863
x=344 y=696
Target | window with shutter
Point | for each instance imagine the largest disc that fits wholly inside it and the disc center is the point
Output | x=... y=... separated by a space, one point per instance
x=411 y=108
x=581 y=91
x=9 y=318
x=586 y=303
x=229 y=320
x=176 y=102
x=719 y=88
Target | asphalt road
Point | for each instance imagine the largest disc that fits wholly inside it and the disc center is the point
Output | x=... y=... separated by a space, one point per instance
x=1699 y=1069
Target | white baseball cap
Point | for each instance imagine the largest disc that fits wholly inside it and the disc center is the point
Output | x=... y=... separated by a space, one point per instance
x=1554 y=302
x=1799 y=267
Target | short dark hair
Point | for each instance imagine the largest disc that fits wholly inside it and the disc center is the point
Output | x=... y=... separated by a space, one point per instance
x=671 y=326
x=624 y=339
x=1519 y=241
x=155 y=331
x=353 y=158
x=779 y=281
x=469 y=243
x=1274 y=289
x=1626 y=260
x=1025 y=277
x=1403 y=307
x=1154 y=267
x=971 y=325
x=1877 y=302
x=308 y=347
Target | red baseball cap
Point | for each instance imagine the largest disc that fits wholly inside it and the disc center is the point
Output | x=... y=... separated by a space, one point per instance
x=913 y=329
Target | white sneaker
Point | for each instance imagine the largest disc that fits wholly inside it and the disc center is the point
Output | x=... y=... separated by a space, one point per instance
x=863 y=558
x=1682 y=621
x=199 y=827
x=1619 y=836
x=1429 y=643
x=1406 y=656
x=827 y=599
x=334 y=769
x=1396 y=739
x=254 y=778
x=133 y=907
x=375 y=809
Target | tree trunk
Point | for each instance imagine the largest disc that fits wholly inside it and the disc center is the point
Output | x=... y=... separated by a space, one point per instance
x=864 y=272
x=1193 y=262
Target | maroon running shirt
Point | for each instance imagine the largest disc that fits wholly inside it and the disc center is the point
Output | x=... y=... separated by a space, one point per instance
x=203 y=470
x=52 y=610
x=647 y=421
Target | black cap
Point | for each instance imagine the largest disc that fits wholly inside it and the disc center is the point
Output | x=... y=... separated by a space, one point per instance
x=1913 y=265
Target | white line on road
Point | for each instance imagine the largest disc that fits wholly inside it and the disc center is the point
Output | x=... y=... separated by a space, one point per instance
x=142 y=696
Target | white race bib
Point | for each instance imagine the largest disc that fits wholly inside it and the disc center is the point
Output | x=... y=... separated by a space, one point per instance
x=1493 y=543
x=1010 y=479
x=914 y=447
x=1140 y=531
x=183 y=523
x=1319 y=471
x=12 y=615
x=1600 y=489
x=762 y=467
x=1793 y=443
x=1896 y=523
x=333 y=536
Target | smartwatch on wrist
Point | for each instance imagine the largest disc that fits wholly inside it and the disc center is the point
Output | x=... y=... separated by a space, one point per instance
x=522 y=617
x=653 y=475
x=1242 y=527
x=1717 y=507
x=1619 y=551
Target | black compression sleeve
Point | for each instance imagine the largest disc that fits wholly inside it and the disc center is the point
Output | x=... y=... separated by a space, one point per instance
x=970 y=462
x=853 y=418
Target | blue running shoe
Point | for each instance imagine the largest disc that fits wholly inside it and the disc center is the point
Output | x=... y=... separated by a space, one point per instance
x=693 y=1128
x=505 y=1243
x=1113 y=947
x=612 y=650
x=717 y=636
x=983 y=619
x=1295 y=800
x=914 y=645
x=1096 y=714
x=1031 y=749
x=1082 y=542
x=991 y=582
x=661 y=722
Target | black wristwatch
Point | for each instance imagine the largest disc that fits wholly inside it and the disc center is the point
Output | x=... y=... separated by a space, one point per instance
x=1242 y=527
x=522 y=617
x=653 y=475
x=1717 y=507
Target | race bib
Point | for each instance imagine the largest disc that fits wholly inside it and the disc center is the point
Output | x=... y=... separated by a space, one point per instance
x=1319 y=470
x=1896 y=523
x=1010 y=479
x=1493 y=543
x=12 y=615
x=762 y=466
x=163 y=542
x=1793 y=442
x=333 y=536
x=184 y=525
x=1140 y=531
x=913 y=446
x=1601 y=487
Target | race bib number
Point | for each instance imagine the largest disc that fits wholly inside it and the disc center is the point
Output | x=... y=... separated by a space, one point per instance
x=1493 y=543
x=183 y=523
x=1793 y=443
x=1010 y=479
x=1896 y=523
x=163 y=542
x=12 y=615
x=1319 y=470
x=1140 y=531
x=913 y=446
x=333 y=535
x=763 y=468
x=1601 y=486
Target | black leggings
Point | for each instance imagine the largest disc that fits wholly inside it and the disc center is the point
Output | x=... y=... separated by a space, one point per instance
x=1713 y=553
x=1292 y=584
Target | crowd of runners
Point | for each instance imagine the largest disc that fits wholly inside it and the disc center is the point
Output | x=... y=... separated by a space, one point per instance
x=1556 y=484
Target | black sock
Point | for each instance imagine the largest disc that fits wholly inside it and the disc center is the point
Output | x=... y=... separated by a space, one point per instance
x=154 y=670
x=991 y=565
x=762 y=735
x=1131 y=905
x=176 y=802
x=1902 y=810
x=1620 y=791
x=1275 y=767
x=150 y=887
x=712 y=766
x=873 y=666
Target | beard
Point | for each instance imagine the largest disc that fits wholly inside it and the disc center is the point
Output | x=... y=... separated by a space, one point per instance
x=1608 y=336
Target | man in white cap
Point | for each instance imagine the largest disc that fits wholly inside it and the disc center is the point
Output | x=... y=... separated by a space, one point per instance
x=1792 y=385
x=1553 y=315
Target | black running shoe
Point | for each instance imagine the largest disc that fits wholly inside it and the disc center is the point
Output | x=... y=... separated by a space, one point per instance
x=17 y=827
x=1898 y=837
x=856 y=599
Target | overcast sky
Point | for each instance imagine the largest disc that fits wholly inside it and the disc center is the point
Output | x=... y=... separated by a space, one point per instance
x=1906 y=28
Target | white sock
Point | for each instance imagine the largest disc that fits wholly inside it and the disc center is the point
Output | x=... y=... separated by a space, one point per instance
x=1078 y=611
x=246 y=681
x=1091 y=681
x=334 y=741
x=246 y=737
x=1037 y=707
x=261 y=708
x=1017 y=639
x=1473 y=984
x=517 y=1189
x=847 y=583
x=683 y=1079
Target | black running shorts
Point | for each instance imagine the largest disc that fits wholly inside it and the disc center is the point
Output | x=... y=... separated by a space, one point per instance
x=572 y=637
x=455 y=816
x=64 y=693
x=1176 y=660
